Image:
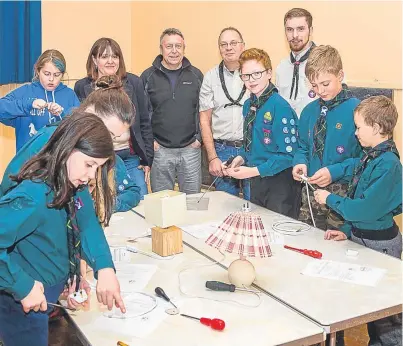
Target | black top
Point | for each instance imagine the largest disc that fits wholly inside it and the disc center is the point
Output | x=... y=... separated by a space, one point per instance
x=141 y=135
x=175 y=110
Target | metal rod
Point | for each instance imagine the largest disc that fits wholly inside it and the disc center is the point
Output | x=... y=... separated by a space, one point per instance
x=208 y=189
x=195 y=318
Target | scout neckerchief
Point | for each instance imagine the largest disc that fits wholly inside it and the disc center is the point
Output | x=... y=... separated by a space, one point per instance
x=224 y=88
x=73 y=241
x=372 y=154
x=255 y=104
x=295 y=75
x=319 y=129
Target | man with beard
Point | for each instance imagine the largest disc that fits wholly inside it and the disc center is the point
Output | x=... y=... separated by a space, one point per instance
x=222 y=96
x=290 y=74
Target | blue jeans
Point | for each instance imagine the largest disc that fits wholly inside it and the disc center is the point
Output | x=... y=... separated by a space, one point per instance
x=227 y=184
x=132 y=162
x=20 y=329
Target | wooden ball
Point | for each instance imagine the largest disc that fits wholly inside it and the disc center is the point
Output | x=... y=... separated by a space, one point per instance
x=241 y=273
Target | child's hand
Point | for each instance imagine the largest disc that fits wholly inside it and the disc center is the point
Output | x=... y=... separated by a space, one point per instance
x=72 y=303
x=321 y=178
x=299 y=169
x=108 y=289
x=55 y=108
x=335 y=235
x=35 y=300
x=321 y=195
x=237 y=162
x=39 y=104
x=242 y=172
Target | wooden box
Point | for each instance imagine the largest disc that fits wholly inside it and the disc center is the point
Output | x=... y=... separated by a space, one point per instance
x=166 y=241
x=165 y=208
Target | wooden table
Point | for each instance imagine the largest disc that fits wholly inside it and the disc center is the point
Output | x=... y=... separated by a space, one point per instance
x=333 y=304
x=271 y=323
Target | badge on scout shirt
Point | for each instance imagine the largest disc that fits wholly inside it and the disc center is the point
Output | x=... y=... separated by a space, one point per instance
x=266 y=134
x=121 y=187
x=284 y=121
x=293 y=139
x=288 y=148
x=340 y=149
x=287 y=140
x=285 y=129
x=293 y=131
x=292 y=122
x=78 y=203
x=267 y=117
x=311 y=94
x=125 y=182
x=338 y=126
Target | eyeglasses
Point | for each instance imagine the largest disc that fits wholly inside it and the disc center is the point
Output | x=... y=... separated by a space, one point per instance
x=255 y=75
x=233 y=44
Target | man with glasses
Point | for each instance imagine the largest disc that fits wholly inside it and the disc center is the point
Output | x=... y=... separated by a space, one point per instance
x=222 y=96
x=173 y=86
x=290 y=73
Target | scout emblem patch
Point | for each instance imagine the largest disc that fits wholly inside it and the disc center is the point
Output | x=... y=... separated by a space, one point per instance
x=311 y=94
x=340 y=149
x=78 y=203
x=338 y=126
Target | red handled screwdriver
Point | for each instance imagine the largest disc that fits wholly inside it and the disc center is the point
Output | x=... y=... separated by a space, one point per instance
x=311 y=253
x=214 y=323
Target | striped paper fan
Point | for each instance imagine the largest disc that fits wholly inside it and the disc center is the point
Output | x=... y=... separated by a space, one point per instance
x=242 y=233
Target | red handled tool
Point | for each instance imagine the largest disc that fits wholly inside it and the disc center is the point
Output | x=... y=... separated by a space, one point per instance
x=311 y=253
x=214 y=323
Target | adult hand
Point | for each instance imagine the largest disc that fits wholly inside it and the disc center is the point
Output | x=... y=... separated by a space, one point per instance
x=156 y=146
x=39 y=104
x=215 y=167
x=335 y=235
x=55 y=108
x=321 y=195
x=299 y=169
x=147 y=171
x=321 y=178
x=236 y=162
x=196 y=144
x=35 y=300
x=108 y=289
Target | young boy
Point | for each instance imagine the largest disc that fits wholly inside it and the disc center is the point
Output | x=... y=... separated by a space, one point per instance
x=326 y=133
x=374 y=197
x=270 y=139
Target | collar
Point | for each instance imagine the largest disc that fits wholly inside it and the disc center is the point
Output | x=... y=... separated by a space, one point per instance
x=308 y=46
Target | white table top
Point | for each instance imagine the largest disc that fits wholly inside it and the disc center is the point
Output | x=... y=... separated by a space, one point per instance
x=274 y=323
x=334 y=304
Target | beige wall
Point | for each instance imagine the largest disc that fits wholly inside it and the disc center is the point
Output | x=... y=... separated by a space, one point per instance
x=370 y=43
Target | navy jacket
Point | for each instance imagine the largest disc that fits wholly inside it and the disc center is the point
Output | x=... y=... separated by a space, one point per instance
x=140 y=132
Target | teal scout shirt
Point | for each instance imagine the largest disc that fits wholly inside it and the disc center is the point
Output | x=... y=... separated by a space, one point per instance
x=127 y=192
x=378 y=196
x=341 y=142
x=33 y=239
x=274 y=137
x=95 y=247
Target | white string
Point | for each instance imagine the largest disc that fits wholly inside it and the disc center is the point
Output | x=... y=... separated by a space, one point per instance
x=301 y=229
x=133 y=249
x=230 y=301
